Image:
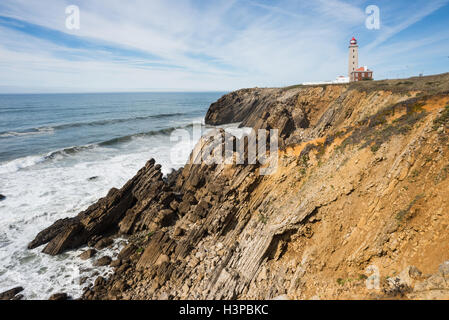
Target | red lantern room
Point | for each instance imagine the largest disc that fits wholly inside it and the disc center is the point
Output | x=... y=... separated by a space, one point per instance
x=353 y=41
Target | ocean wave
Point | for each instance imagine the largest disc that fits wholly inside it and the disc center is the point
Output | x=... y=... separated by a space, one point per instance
x=28 y=132
x=20 y=163
x=113 y=121
x=126 y=138
x=29 y=161
x=68 y=151
x=51 y=129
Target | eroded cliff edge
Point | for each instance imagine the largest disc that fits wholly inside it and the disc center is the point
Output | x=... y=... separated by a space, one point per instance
x=361 y=181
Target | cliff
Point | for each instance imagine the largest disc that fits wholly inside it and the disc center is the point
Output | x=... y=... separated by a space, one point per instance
x=361 y=188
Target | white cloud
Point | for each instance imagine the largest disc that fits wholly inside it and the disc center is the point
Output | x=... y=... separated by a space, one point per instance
x=222 y=44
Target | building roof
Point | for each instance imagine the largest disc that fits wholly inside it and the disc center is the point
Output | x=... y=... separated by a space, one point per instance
x=362 y=69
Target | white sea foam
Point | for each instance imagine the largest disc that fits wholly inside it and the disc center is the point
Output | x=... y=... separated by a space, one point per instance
x=21 y=163
x=40 y=192
x=38 y=131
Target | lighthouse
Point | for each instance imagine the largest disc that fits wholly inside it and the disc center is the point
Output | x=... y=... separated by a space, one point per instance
x=355 y=73
x=353 y=57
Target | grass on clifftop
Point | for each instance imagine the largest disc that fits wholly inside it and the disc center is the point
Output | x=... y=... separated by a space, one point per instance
x=442 y=120
x=374 y=131
x=426 y=85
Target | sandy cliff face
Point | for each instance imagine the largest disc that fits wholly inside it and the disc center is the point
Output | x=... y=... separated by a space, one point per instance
x=361 y=189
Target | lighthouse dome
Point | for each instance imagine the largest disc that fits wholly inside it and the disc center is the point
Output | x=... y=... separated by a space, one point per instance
x=353 y=41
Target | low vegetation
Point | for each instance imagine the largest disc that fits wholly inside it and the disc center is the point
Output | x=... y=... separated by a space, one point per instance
x=375 y=130
x=405 y=213
x=442 y=120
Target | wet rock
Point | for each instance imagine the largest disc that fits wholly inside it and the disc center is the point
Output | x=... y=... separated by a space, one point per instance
x=127 y=252
x=100 y=281
x=2 y=197
x=10 y=294
x=104 y=243
x=59 y=297
x=116 y=263
x=93 y=240
x=83 y=280
x=50 y=233
x=88 y=254
x=103 y=261
x=93 y=178
x=103 y=217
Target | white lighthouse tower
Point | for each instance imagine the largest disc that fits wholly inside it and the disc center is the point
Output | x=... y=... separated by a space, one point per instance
x=353 y=57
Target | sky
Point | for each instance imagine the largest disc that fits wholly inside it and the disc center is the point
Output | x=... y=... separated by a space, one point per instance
x=212 y=45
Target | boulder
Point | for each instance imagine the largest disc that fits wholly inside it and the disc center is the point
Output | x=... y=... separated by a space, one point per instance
x=103 y=243
x=127 y=252
x=51 y=232
x=2 y=197
x=10 y=294
x=88 y=254
x=103 y=261
x=116 y=263
x=59 y=297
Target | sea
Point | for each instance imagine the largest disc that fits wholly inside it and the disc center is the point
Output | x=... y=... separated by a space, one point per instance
x=59 y=153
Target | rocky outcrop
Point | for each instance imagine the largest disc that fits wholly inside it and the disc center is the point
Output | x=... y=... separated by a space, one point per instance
x=89 y=253
x=359 y=194
x=59 y=297
x=260 y=109
x=137 y=205
x=318 y=108
x=11 y=294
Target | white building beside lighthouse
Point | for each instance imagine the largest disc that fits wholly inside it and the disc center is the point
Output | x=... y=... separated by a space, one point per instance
x=355 y=73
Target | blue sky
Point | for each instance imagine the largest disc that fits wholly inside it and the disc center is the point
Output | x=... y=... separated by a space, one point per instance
x=198 y=45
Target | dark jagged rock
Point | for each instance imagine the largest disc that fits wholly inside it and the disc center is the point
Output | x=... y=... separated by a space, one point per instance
x=103 y=243
x=127 y=251
x=121 y=210
x=116 y=263
x=103 y=261
x=89 y=253
x=59 y=297
x=260 y=109
x=10 y=294
x=2 y=197
x=51 y=232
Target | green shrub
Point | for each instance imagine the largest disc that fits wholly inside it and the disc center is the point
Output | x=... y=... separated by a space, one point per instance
x=443 y=119
x=263 y=218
